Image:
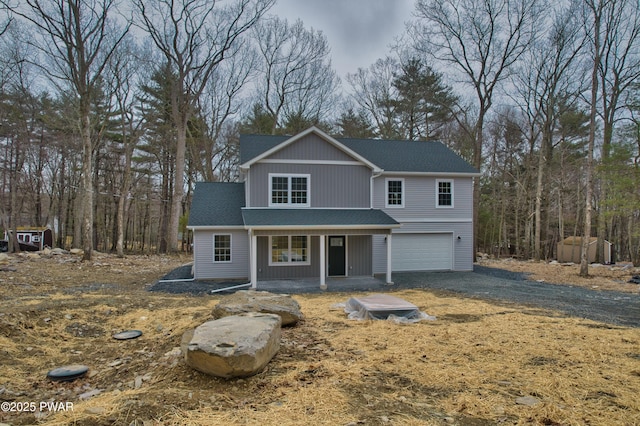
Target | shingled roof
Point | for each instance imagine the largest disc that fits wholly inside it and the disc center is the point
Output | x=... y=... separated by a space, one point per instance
x=373 y=218
x=221 y=205
x=217 y=204
x=389 y=155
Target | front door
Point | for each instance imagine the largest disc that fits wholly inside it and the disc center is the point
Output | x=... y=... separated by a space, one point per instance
x=336 y=256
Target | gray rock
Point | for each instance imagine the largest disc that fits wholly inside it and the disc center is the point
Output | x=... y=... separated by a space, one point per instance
x=90 y=394
x=234 y=346
x=259 y=301
x=528 y=400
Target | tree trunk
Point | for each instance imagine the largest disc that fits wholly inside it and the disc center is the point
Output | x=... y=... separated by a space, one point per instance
x=87 y=182
x=123 y=201
x=477 y=163
x=586 y=235
x=537 y=252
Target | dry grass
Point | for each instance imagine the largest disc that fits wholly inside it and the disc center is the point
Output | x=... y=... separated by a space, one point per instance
x=468 y=367
x=601 y=277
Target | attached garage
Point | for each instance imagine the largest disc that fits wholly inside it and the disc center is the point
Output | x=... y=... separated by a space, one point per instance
x=422 y=252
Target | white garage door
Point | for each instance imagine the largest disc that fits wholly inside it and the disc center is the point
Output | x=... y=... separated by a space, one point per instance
x=421 y=252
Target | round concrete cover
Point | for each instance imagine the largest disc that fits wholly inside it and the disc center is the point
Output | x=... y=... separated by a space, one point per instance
x=68 y=372
x=126 y=335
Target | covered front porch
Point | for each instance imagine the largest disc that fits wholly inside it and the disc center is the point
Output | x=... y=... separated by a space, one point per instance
x=321 y=244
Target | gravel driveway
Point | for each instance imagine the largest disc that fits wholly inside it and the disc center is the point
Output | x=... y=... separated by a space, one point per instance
x=483 y=283
x=496 y=284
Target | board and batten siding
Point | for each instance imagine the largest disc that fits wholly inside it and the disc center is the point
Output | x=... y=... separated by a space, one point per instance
x=359 y=255
x=311 y=147
x=420 y=198
x=204 y=266
x=332 y=185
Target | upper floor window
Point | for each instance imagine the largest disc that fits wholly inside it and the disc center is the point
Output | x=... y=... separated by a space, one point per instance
x=444 y=194
x=395 y=193
x=291 y=190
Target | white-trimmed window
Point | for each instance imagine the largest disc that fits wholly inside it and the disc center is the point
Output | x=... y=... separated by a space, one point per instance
x=289 y=190
x=444 y=193
x=222 y=248
x=289 y=250
x=395 y=192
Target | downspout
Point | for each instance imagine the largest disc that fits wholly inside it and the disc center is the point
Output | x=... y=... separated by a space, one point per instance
x=374 y=174
x=247 y=189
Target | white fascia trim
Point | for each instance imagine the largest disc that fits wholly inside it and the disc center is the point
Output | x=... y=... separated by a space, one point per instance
x=299 y=136
x=320 y=162
x=437 y=174
x=214 y=228
x=435 y=220
x=288 y=207
x=320 y=227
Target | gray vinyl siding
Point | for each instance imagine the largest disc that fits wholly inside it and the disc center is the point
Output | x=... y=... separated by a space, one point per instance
x=266 y=272
x=420 y=198
x=205 y=268
x=359 y=255
x=332 y=186
x=420 y=215
x=462 y=248
x=312 y=147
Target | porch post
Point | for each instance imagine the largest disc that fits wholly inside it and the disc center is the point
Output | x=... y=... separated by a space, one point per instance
x=254 y=259
x=323 y=284
x=389 y=259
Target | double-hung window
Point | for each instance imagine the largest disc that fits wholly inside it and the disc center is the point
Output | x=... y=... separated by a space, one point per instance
x=395 y=193
x=444 y=193
x=290 y=250
x=289 y=190
x=222 y=248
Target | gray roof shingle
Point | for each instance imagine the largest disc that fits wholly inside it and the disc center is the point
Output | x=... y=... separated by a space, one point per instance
x=390 y=155
x=317 y=217
x=217 y=204
x=409 y=156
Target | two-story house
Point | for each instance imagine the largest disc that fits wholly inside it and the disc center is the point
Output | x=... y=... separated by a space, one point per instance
x=311 y=205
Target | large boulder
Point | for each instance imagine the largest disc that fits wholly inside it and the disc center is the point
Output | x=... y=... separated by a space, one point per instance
x=259 y=301
x=234 y=346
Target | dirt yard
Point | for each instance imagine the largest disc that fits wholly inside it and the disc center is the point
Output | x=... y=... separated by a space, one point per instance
x=477 y=364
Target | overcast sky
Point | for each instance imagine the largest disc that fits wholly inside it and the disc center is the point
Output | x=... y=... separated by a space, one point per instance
x=358 y=31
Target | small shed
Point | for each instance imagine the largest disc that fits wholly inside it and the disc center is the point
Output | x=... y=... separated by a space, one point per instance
x=33 y=238
x=569 y=250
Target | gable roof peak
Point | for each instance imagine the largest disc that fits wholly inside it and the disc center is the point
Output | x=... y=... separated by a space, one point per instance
x=288 y=140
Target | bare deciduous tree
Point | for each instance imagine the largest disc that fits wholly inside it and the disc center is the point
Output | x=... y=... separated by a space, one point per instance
x=76 y=39
x=620 y=68
x=194 y=36
x=297 y=81
x=122 y=73
x=480 y=40
x=546 y=84
x=374 y=93
x=593 y=15
x=221 y=101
